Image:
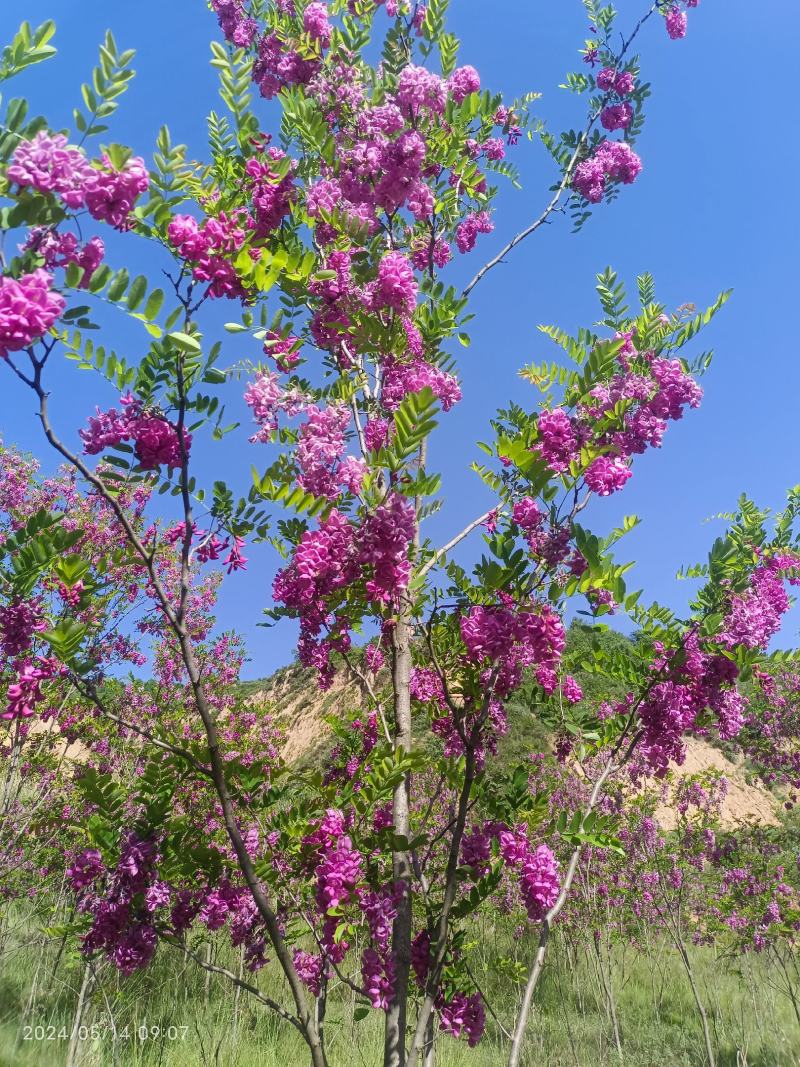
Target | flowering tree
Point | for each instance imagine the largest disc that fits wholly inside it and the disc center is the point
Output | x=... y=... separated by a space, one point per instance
x=332 y=242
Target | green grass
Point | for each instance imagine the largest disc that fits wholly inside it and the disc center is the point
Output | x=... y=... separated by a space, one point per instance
x=569 y=1026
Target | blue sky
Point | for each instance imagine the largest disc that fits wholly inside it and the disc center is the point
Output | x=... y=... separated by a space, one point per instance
x=712 y=209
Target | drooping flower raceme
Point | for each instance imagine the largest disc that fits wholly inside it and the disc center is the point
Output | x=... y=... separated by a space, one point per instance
x=28 y=308
x=156 y=441
x=611 y=161
x=111 y=194
x=49 y=164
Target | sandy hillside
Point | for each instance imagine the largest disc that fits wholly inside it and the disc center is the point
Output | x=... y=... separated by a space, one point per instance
x=745 y=802
x=300 y=707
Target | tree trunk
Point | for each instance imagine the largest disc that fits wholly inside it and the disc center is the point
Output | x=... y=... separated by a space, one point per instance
x=74 y=1052
x=605 y=977
x=394 y=1050
x=237 y=996
x=701 y=1011
x=429 y=1050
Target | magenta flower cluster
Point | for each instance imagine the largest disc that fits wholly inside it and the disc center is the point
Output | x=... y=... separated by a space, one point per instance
x=329 y=560
x=154 y=438
x=513 y=638
x=611 y=161
x=655 y=390
x=49 y=164
x=63 y=249
x=28 y=309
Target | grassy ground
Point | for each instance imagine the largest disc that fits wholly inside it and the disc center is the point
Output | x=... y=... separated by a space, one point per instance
x=753 y=1024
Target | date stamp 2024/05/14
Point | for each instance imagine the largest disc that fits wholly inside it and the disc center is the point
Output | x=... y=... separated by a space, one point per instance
x=104 y=1030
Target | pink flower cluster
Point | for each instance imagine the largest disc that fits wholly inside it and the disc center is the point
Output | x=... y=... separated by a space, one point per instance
x=540 y=882
x=395 y=287
x=463 y=1015
x=267 y=398
x=111 y=194
x=121 y=928
x=383 y=543
x=334 y=557
x=20 y=620
x=284 y=350
x=511 y=638
x=606 y=474
x=376 y=434
x=338 y=869
x=28 y=309
x=320 y=449
x=693 y=680
x=468 y=230
x=754 y=616
x=62 y=249
x=382 y=159
x=617 y=115
x=210 y=547
x=25 y=693
x=612 y=81
x=400 y=379
x=460 y=1014
x=324 y=470
x=377 y=964
x=676 y=20
x=309 y=967
x=613 y=161
x=236 y=27
x=277 y=66
x=658 y=391
x=155 y=439
x=212 y=245
x=49 y=164
x=558 y=443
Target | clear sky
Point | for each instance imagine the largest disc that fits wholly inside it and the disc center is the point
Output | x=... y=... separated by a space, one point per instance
x=712 y=209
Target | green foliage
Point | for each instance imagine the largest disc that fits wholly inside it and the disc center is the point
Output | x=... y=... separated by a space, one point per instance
x=66 y=638
x=691 y=328
x=612 y=299
x=27 y=48
x=110 y=79
x=168 y=181
x=235 y=68
x=413 y=422
x=15 y=126
x=31 y=551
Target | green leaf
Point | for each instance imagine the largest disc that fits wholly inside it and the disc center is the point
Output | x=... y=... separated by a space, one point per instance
x=413 y=422
x=153 y=305
x=119 y=283
x=185 y=343
x=137 y=292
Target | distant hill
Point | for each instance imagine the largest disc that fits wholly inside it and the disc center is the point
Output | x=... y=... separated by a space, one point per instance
x=300 y=708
